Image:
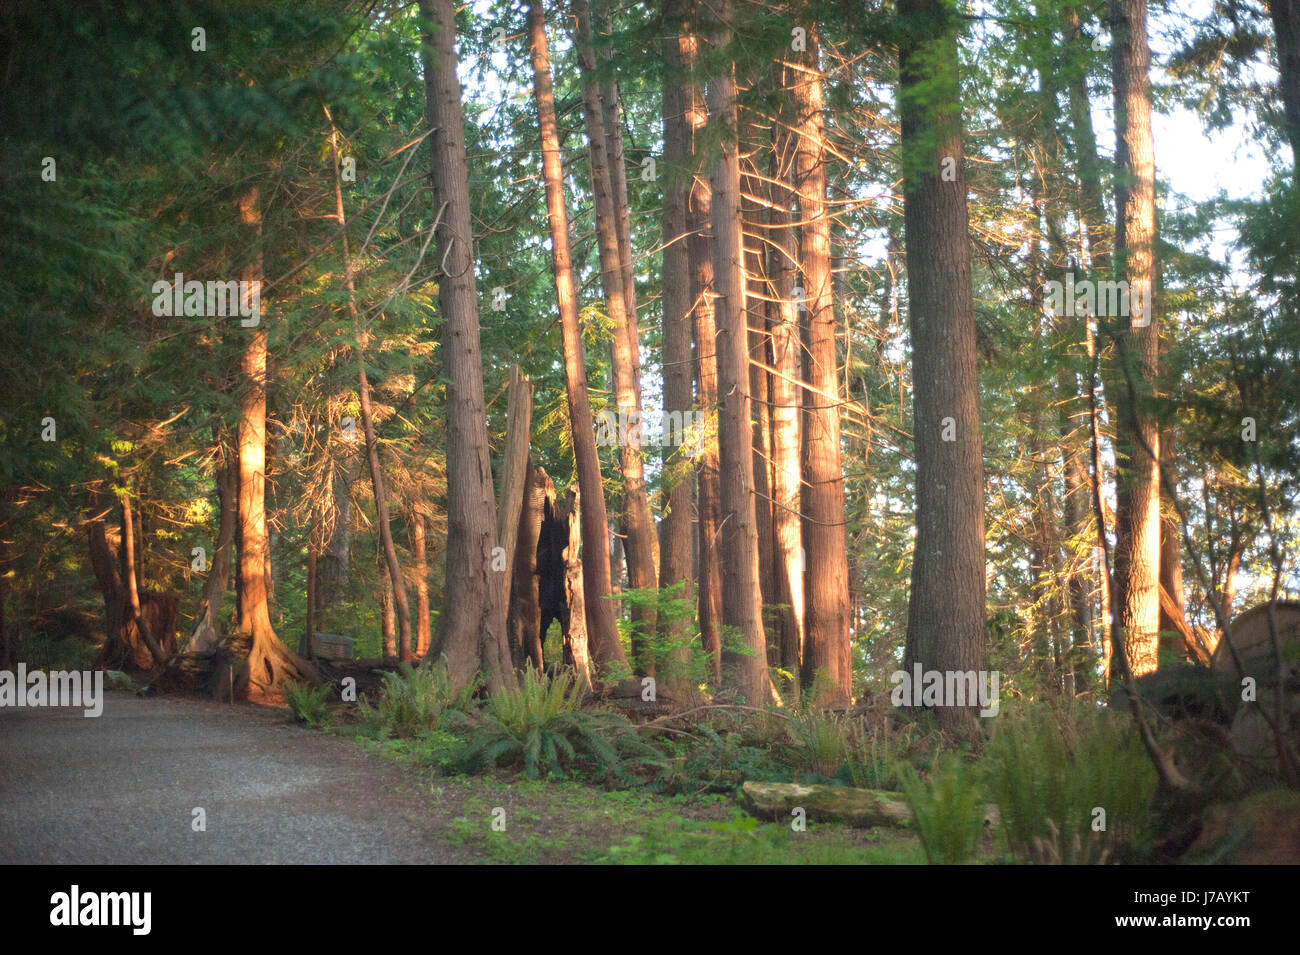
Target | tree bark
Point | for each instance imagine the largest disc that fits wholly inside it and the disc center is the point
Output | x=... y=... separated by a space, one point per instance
x=753 y=199
x=1173 y=620
x=205 y=636
x=637 y=523
x=514 y=469
x=1137 y=478
x=576 y=650
x=388 y=617
x=270 y=664
x=307 y=649
x=675 y=527
x=130 y=554
x=525 y=618
x=471 y=631
x=422 y=632
x=333 y=563
x=398 y=596
x=744 y=669
x=1286 y=28
x=602 y=632
x=826 y=647
x=945 y=626
x=1093 y=215
x=699 y=248
x=787 y=352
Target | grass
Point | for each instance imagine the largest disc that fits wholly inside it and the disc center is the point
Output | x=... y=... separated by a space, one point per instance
x=567 y=822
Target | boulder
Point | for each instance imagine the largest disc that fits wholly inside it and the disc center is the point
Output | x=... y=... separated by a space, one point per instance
x=1250 y=637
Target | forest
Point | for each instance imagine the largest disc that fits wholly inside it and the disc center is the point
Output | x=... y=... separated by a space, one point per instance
x=859 y=431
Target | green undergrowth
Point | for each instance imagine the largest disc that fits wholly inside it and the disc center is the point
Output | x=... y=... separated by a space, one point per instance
x=567 y=822
x=587 y=784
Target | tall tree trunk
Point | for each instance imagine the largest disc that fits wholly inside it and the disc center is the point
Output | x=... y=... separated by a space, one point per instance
x=1173 y=621
x=576 y=648
x=514 y=470
x=945 y=620
x=637 y=523
x=7 y=656
x=699 y=248
x=471 y=631
x=1092 y=211
x=307 y=646
x=1137 y=477
x=675 y=528
x=1092 y=205
x=826 y=648
x=787 y=351
x=525 y=618
x=130 y=554
x=744 y=669
x=205 y=636
x=270 y=664
x=368 y=420
x=333 y=563
x=753 y=200
x=602 y=632
x=110 y=586
x=419 y=521
x=1286 y=27
x=1068 y=334
x=387 y=618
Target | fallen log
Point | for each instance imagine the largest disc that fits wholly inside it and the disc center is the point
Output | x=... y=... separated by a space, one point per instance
x=862 y=808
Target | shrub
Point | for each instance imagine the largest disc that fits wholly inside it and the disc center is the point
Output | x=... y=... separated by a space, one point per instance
x=414 y=699
x=949 y=812
x=1049 y=774
x=822 y=742
x=307 y=703
x=874 y=758
x=539 y=726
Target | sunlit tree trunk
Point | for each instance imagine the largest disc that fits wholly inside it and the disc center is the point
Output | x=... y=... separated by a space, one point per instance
x=602 y=633
x=826 y=647
x=787 y=397
x=1137 y=452
x=753 y=201
x=745 y=671
x=637 y=523
x=270 y=664
x=699 y=214
x=422 y=632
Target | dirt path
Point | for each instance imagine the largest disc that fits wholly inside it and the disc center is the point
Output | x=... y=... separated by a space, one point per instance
x=121 y=788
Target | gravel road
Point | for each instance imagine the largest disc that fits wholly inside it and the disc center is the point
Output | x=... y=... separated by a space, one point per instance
x=122 y=788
